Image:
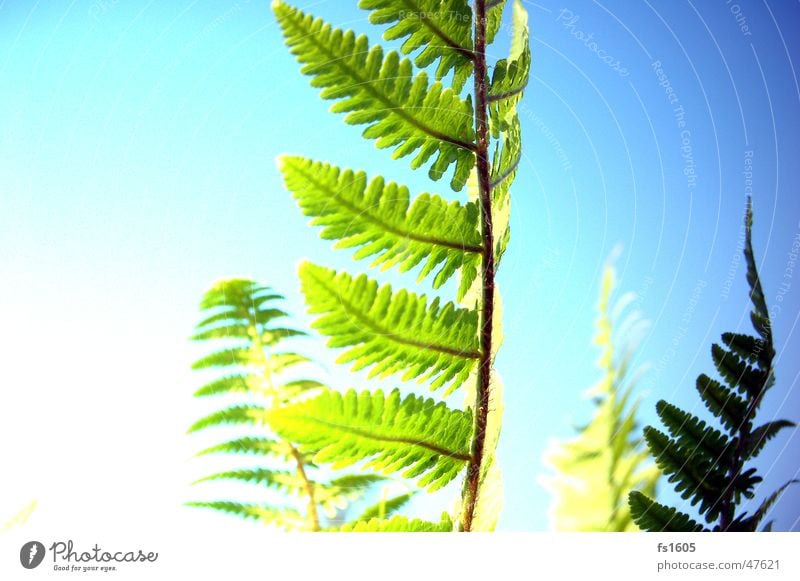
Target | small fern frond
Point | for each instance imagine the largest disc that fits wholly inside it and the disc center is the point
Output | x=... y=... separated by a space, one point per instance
x=284 y=480
x=237 y=414
x=399 y=524
x=594 y=471
x=652 y=516
x=692 y=433
x=243 y=310
x=379 y=219
x=252 y=445
x=385 y=508
x=759 y=437
x=414 y=434
x=435 y=29
x=510 y=76
x=286 y=518
x=402 y=111
x=391 y=332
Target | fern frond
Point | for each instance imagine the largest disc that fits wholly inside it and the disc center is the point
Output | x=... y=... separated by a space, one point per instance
x=510 y=76
x=417 y=435
x=437 y=29
x=250 y=445
x=695 y=477
x=692 y=433
x=238 y=356
x=594 y=471
x=736 y=372
x=722 y=402
x=759 y=437
x=243 y=309
x=385 y=508
x=745 y=523
x=390 y=331
x=494 y=18
x=238 y=414
x=506 y=160
x=705 y=464
x=401 y=110
x=652 y=516
x=285 y=518
x=284 y=480
x=399 y=524
x=378 y=218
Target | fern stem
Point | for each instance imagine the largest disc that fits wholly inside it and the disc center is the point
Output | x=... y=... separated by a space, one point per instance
x=263 y=359
x=313 y=515
x=482 y=396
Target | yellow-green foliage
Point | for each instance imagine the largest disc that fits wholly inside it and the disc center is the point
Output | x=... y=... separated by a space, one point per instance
x=393 y=332
x=594 y=471
x=242 y=320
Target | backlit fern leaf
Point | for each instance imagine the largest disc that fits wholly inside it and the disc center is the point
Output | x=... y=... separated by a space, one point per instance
x=391 y=332
x=593 y=471
x=402 y=111
x=417 y=435
x=402 y=332
x=379 y=219
x=709 y=466
x=435 y=29
x=399 y=524
x=242 y=313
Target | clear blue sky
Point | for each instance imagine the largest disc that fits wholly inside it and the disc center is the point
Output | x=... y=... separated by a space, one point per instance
x=137 y=148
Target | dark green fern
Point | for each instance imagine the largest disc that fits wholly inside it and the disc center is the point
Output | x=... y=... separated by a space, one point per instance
x=398 y=333
x=710 y=466
x=243 y=321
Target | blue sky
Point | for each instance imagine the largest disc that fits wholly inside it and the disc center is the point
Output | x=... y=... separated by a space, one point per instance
x=137 y=158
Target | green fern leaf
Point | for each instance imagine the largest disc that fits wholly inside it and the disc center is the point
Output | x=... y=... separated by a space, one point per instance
x=384 y=508
x=654 y=517
x=692 y=433
x=736 y=372
x=494 y=19
x=506 y=160
x=414 y=434
x=401 y=110
x=239 y=356
x=442 y=29
x=238 y=414
x=279 y=479
x=237 y=383
x=747 y=347
x=378 y=218
x=510 y=76
x=759 y=437
x=594 y=471
x=694 y=476
x=722 y=402
x=286 y=518
x=250 y=445
x=399 y=524
x=705 y=464
x=751 y=523
x=389 y=331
